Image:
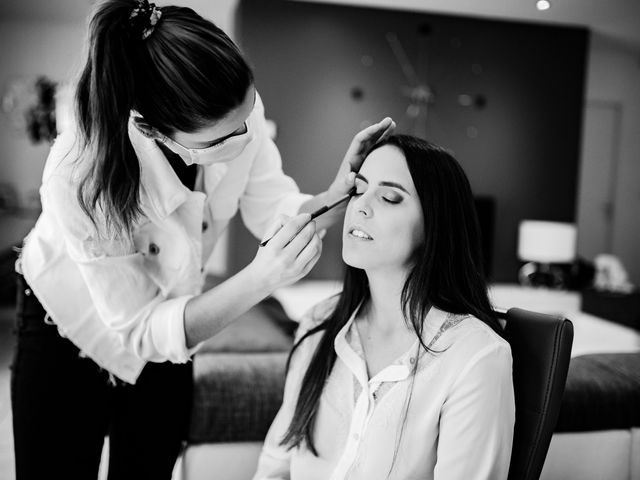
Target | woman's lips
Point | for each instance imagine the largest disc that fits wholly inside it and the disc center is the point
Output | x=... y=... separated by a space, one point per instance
x=359 y=233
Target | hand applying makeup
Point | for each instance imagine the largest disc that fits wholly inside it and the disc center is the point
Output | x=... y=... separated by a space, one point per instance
x=344 y=181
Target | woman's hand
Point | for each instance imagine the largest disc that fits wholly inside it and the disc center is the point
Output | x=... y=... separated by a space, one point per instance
x=291 y=253
x=360 y=147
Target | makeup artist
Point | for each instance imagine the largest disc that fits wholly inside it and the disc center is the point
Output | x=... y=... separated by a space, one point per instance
x=169 y=141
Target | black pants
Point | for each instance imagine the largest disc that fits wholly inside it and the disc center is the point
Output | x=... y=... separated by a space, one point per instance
x=64 y=405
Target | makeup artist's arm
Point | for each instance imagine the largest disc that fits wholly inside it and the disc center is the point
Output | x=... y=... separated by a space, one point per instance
x=360 y=147
x=287 y=258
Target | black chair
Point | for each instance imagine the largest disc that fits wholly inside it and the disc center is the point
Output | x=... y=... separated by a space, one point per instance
x=541 y=348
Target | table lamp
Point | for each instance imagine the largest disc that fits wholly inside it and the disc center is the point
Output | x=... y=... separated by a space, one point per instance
x=544 y=244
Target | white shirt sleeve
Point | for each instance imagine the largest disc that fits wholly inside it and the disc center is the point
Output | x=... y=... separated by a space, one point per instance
x=477 y=419
x=125 y=297
x=269 y=192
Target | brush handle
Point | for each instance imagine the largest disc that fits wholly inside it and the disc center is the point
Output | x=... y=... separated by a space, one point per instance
x=320 y=211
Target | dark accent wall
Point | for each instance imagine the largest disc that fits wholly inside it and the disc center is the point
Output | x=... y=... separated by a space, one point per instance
x=505 y=97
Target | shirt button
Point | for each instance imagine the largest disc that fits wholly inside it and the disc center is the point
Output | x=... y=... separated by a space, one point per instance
x=205 y=225
x=356 y=436
x=154 y=249
x=412 y=360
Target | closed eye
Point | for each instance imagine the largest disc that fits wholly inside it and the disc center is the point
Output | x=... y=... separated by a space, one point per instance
x=393 y=200
x=389 y=196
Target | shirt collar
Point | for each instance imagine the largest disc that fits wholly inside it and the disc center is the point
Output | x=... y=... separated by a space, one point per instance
x=348 y=348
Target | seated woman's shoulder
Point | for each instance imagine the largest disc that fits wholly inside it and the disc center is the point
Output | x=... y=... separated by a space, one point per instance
x=321 y=310
x=316 y=315
x=472 y=336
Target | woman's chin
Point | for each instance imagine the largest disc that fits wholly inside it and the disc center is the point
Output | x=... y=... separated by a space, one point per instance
x=354 y=258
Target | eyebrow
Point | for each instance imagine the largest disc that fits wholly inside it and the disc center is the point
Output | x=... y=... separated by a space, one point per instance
x=384 y=183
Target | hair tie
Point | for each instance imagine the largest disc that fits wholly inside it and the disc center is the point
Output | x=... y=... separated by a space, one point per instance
x=145 y=17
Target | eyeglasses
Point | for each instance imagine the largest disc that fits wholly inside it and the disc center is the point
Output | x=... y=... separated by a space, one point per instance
x=216 y=144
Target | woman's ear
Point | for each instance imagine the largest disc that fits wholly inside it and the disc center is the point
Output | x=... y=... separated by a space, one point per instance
x=144 y=128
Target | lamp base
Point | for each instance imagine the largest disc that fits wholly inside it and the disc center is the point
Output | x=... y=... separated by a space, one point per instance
x=542 y=275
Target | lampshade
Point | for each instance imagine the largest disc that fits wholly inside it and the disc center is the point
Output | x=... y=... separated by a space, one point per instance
x=546 y=242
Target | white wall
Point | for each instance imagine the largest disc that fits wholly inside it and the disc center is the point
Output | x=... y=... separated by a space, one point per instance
x=614 y=76
x=28 y=49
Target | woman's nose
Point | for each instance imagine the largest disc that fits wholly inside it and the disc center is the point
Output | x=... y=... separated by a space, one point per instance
x=362 y=206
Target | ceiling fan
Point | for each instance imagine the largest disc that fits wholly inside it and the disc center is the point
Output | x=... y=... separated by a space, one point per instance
x=420 y=94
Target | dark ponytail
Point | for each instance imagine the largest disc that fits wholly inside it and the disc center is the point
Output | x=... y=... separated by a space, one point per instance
x=104 y=98
x=185 y=75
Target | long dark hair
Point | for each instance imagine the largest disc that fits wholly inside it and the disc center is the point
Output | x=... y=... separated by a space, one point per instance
x=185 y=75
x=446 y=273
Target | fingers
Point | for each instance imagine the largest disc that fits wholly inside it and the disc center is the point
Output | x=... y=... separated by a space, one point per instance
x=376 y=132
x=300 y=241
x=383 y=129
x=349 y=181
x=276 y=226
x=358 y=150
x=366 y=139
x=273 y=229
x=309 y=255
x=290 y=229
x=388 y=130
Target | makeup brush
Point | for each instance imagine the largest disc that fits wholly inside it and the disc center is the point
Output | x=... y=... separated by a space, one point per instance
x=321 y=210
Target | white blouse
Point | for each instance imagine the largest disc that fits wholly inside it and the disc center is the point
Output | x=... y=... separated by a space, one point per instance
x=459 y=421
x=122 y=301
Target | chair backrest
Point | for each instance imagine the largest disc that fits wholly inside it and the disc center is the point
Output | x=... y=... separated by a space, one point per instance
x=541 y=349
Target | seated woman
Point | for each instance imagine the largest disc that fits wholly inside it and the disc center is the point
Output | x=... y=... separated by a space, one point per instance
x=405 y=374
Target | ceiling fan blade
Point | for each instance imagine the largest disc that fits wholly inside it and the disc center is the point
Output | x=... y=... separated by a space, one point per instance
x=402 y=58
